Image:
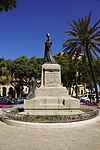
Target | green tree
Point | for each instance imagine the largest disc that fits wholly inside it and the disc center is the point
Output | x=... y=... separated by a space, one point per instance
x=1 y=65
x=83 y=71
x=23 y=69
x=20 y=68
x=67 y=69
x=85 y=40
x=35 y=67
x=20 y=73
x=6 y=5
x=5 y=74
x=96 y=64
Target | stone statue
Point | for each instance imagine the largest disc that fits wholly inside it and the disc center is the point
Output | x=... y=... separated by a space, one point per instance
x=32 y=87
x=48 y=52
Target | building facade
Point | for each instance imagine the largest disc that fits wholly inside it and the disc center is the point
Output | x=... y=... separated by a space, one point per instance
x=9 y=91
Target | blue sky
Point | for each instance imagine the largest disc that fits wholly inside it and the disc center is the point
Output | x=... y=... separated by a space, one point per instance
x=22 y=30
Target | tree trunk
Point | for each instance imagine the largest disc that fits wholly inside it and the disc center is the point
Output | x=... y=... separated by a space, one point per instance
x=92 y=73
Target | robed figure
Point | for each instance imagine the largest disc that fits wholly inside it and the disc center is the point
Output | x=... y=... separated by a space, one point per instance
x=32 y=88
x=48 y=52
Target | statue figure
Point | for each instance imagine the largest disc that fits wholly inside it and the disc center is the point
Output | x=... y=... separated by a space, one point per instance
x=48 y=52
x=32 y=87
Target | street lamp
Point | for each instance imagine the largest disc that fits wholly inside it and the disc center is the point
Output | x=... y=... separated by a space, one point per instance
x=76 y=84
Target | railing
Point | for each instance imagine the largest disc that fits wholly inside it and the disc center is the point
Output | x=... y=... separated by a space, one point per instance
x=50 y=118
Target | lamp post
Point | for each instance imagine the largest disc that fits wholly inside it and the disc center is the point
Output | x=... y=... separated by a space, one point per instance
x=76 y=84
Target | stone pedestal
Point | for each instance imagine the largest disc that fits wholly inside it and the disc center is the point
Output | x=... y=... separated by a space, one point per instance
x=51 y=75
x=51 y=95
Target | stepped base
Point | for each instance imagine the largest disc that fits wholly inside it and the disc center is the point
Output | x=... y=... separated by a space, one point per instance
x=52 y=112
x=51 y=97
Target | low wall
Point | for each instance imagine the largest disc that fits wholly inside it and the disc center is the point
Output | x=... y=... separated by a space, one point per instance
x=49 y=118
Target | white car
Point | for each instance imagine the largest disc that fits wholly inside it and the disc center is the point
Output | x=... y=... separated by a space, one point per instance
x=95 y=99
x=85 y=98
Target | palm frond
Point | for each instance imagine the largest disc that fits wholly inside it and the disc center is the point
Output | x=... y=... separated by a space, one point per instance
x=96 y=24
x=71 y=33
x=93 y=46
x=73 y=52
x=73 y=28
x=94 y=29
x=76 y=25
x=97 y=43
x=97 y=39
x=94 y=49
x=70 y=46
x=88 y=19
x=83 y=34
x=96 y=35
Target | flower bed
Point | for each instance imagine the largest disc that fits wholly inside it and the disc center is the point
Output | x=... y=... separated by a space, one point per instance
x=14 y=115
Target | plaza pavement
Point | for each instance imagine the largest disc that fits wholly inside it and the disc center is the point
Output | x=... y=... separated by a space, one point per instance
x=76 y=138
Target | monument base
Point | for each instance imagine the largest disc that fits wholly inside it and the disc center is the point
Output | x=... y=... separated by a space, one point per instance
x=51 y=112
x=51 y=97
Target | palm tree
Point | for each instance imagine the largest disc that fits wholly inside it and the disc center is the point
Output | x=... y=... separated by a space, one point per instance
x=85 y=40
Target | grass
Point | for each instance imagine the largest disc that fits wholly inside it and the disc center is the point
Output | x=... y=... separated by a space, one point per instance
x=86 y=109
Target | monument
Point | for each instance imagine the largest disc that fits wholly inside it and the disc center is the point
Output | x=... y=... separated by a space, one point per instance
x=32 y=87
x=51 y=97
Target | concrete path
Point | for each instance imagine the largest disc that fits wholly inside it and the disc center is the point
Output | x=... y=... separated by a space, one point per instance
x=76 y=138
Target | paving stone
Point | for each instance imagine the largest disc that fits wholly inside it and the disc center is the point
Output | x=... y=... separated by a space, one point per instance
x=76 y=138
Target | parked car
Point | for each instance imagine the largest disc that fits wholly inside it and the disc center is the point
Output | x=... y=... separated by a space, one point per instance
x=5 y=101
x=95 y=99
x=21 y=100
x=84 y=98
